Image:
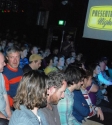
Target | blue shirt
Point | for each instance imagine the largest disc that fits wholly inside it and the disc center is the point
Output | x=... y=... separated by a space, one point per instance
x=23 y=62
x=80 y=106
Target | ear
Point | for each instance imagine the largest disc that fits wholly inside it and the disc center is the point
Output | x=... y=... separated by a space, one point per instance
x=51 y=90
x=7 y=57
x=64 y=83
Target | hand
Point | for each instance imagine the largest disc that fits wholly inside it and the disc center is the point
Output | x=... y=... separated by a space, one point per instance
x=2 y=116
x=99 y=113
x=8 y=118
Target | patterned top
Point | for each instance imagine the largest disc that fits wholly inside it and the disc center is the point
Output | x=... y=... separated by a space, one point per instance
x=91 y=106
x=23 y=62
x=65 y=109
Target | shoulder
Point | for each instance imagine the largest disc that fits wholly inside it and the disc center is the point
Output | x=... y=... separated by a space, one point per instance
x=18 y=117
x=21 y=117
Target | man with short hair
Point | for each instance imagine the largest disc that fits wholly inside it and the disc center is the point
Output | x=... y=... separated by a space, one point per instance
x=5 y=111
x=12 y=73
x=55 y=91
x=34 y=50
x=65 y=106
x=34 y=63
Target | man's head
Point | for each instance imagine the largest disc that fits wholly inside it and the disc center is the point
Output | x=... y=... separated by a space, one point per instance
x=35 y=61
x=2 y=62
x=32 y=91
x=73 y=54
x=13 y=56
x=56 y=87
x=87 y=78
x=23 y=52
x=102 y=65
x=74 y=77
x=67 y=60
x=34 y=50
x=61 y=60
x=52 y=60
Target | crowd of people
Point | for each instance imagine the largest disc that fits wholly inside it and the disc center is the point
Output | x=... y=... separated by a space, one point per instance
x=44 y=87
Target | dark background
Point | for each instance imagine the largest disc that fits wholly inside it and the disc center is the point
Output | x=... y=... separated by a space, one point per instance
x=73 y=13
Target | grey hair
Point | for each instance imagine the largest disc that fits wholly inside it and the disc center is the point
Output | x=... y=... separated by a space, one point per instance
x=55 y=79
x=12 y=49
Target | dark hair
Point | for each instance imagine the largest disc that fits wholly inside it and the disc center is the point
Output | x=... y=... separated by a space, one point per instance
x=55 y=79
x=93 y=66
x=86 y=74
x=49 y=58
x=60 y=56
x=31 y=89
x=23 y=48
x=73 y=75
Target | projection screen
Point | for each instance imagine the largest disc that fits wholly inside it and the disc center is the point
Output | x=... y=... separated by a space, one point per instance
x=98 y=23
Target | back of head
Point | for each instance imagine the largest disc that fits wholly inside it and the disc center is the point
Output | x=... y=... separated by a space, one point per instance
x=31 y=89
x=93 y=66
x=73 y=75
x=55 y=79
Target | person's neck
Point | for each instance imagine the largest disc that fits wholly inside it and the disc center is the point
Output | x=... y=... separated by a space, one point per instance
x=49 y=106
x=31 y=66
x=83 y=87
x=71 y=89
x=35 y=110
x=12 y=67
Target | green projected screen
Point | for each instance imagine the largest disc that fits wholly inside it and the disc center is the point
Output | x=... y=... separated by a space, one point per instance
x=98 y=23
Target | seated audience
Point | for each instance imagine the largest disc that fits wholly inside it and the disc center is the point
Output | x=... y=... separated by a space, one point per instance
x=51 y=61
x=102 y=77
x=96 y=113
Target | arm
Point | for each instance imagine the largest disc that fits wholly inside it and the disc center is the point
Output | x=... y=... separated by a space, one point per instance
x=80 y=104
x=103 y=80
x=2 y=115
x=7 y=109
x=99 y=113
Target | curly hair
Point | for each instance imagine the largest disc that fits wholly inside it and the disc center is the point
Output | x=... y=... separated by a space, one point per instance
x=55 y=79
x=32 y=90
